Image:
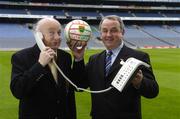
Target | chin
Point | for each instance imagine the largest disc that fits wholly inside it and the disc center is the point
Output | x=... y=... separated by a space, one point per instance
x=109 y=47
x=55 y=47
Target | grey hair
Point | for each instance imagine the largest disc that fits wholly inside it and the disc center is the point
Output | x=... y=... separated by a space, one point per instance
x=116 y=18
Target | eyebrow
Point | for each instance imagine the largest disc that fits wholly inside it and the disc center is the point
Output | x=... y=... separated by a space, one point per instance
x=53 y=29
x=111 y=28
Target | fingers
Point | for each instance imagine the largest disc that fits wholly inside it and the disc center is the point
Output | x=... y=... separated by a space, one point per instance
x=80 y=45
x=139 y=75
x=84 y=44
x=71 y=44
x=46 y=55
x=77 y=48
x=77 y=45
x=138 y=78
x=49 y=51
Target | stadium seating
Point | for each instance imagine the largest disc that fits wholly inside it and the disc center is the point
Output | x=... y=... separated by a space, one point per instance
x=140 y=38
x=15 y=36
x=140 y=33
x=83 y=13
x=166 y=35
x=172 y=14
x=46 y=12
x=12 y=11
x=149 y=14
x=119 y=13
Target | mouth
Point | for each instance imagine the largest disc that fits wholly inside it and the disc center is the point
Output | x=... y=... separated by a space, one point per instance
x=109 y=40
x=55 y=45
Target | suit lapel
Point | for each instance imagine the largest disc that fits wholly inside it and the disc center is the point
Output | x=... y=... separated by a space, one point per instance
x=102 y=64
x=36 y=53
x=100 y=69
x=123 y=54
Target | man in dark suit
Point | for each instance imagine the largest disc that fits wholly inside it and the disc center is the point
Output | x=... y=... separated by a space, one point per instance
x=44 y=94
x=114 y=104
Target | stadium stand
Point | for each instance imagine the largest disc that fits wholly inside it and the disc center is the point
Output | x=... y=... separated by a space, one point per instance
x=119 y=13
x=12 y=11
x=162 y=33
x=149 y=14
x=141 y=39
x=15 y=36
x=46 y=12
x=149 y=23
x=83 y=13
x=18 y=37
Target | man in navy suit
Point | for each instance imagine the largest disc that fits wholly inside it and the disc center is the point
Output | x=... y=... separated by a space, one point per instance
x=114 y=104
x=42 y=92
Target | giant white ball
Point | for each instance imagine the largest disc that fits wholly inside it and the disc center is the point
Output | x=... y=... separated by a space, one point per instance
x=77 y=30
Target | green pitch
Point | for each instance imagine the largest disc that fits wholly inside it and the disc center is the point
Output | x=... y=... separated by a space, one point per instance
x=166 y=66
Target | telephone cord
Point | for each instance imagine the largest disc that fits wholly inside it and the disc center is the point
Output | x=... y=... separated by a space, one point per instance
x=78 y=88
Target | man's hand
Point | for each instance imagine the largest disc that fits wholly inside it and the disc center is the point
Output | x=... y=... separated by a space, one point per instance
x=137 y=80
x=46 y=56
x=77 y=48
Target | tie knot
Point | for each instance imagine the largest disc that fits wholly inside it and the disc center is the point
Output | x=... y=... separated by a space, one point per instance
x=109 y=53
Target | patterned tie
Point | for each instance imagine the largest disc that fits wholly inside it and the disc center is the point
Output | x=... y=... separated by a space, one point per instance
x=108 y=62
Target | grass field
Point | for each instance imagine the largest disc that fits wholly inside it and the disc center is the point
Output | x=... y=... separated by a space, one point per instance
x=166 y=66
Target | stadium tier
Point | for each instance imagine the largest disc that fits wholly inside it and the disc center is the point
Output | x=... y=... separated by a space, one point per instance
x=16 y=36
x=141 y=39
x=46 y=12
x=164 y=34
x=148 y=25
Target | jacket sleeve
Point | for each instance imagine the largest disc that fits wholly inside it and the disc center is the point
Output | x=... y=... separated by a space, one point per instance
x=149 y=87
x=23 y=78
x=79 y=71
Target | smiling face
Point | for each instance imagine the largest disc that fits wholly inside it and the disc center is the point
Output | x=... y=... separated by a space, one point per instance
x=51 y=30
x=111 y=34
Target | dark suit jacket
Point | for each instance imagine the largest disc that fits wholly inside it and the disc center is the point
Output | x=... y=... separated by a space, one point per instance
x=40 y=97
x=114 y=104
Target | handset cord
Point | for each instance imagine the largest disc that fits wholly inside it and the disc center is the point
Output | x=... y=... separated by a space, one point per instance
x=82 y=89
x=78 y=88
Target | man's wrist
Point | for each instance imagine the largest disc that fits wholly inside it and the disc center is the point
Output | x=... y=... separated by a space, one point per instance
x=41 y=63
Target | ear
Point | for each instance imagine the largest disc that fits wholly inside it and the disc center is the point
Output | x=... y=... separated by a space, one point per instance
x=123 y=31
x=98 y=38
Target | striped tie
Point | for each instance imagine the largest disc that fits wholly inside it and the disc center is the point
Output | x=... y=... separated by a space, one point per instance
x=108 y=62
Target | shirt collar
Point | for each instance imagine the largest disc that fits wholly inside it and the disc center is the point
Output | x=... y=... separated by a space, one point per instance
x=115 y=51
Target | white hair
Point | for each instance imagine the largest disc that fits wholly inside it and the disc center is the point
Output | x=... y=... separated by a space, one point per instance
x=41 y=22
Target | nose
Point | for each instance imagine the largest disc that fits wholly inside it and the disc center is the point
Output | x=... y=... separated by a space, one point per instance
x=57 y=36
x=109 y=33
